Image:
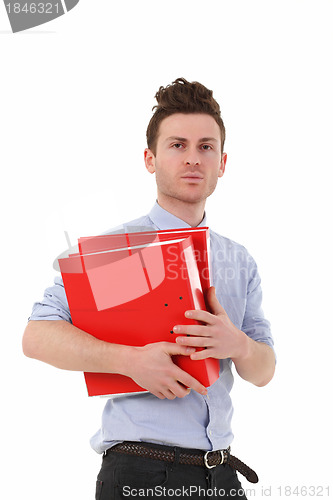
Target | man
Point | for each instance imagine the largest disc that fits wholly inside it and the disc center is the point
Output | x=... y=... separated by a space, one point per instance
x=172 y=439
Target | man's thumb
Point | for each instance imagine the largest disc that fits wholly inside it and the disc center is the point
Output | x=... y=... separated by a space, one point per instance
x=212 y=303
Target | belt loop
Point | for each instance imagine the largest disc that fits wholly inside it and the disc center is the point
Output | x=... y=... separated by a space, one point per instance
x=177 y=455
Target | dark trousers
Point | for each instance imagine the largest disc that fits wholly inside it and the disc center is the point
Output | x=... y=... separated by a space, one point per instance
x=126 y=476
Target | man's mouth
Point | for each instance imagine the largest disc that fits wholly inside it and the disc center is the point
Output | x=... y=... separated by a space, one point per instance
x=192 y=177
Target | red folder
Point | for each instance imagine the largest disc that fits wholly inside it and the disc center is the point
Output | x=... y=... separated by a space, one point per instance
x=200 y=238
x=134 y=294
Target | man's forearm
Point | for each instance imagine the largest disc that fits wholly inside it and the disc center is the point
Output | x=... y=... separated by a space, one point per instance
x=62 y=345
x=65 y=346
x=256 y=364
x=221 y=339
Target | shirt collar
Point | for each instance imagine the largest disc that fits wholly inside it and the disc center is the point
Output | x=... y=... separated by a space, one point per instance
x=165 y=220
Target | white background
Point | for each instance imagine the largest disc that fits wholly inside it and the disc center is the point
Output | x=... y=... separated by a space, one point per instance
x=76 y=96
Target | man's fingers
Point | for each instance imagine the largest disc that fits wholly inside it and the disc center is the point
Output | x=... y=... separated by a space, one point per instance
x=174 y=349
x=194 y=341
x=180 y=375
x=199 y=315
x=173 y=390
x=159 y=395
x=212 y=302
x=177 y=390
x=190 y=382
x=183 y=377
x=204 y=354
x=179 y=381
x=195 y=330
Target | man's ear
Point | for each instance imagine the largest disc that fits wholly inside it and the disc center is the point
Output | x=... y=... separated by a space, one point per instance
x=222 y=166
x=149 y=160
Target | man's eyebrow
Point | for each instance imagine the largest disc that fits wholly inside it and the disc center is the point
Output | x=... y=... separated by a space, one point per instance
x=183 y=139
x=208 y=139
x=176 y=138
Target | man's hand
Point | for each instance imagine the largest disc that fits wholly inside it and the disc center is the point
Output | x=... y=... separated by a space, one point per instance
x=151 y=367
x=218 y=335
x=65 y=346
x=221 y=339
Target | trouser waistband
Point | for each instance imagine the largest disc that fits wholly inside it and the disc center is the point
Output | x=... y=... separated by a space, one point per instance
x=208 y=459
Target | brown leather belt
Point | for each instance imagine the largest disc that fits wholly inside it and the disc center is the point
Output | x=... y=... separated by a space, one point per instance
x=207 y=459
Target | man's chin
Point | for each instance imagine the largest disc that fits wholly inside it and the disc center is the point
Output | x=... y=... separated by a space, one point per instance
x=191 y=198
x=188 y=200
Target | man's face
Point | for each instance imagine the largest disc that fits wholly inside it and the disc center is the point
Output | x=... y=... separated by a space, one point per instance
x=188 y=160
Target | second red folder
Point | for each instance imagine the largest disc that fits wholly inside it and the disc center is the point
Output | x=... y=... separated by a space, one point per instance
x=134 y=296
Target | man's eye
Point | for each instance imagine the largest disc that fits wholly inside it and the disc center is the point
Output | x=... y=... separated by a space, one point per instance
x=178 y=145
x=206 y=147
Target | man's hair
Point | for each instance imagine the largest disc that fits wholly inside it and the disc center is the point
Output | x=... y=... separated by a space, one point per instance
x=182 y=97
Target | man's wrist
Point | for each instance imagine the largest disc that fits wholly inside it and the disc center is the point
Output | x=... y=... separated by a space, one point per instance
x=125 y=361
x=243 y=351
x=114 y=358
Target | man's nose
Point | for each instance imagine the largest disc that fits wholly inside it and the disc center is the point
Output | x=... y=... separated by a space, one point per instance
x=192 y=157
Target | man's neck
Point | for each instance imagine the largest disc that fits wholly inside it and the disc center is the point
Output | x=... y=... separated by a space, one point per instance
x=191 y=213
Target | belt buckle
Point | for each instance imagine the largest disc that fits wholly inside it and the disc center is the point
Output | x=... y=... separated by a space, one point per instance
x=206 y=459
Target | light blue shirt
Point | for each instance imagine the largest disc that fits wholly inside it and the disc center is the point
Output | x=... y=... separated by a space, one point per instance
x=194 y=421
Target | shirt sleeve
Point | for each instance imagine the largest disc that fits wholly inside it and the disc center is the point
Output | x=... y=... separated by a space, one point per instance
x=54 y=305
x=255 y=325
